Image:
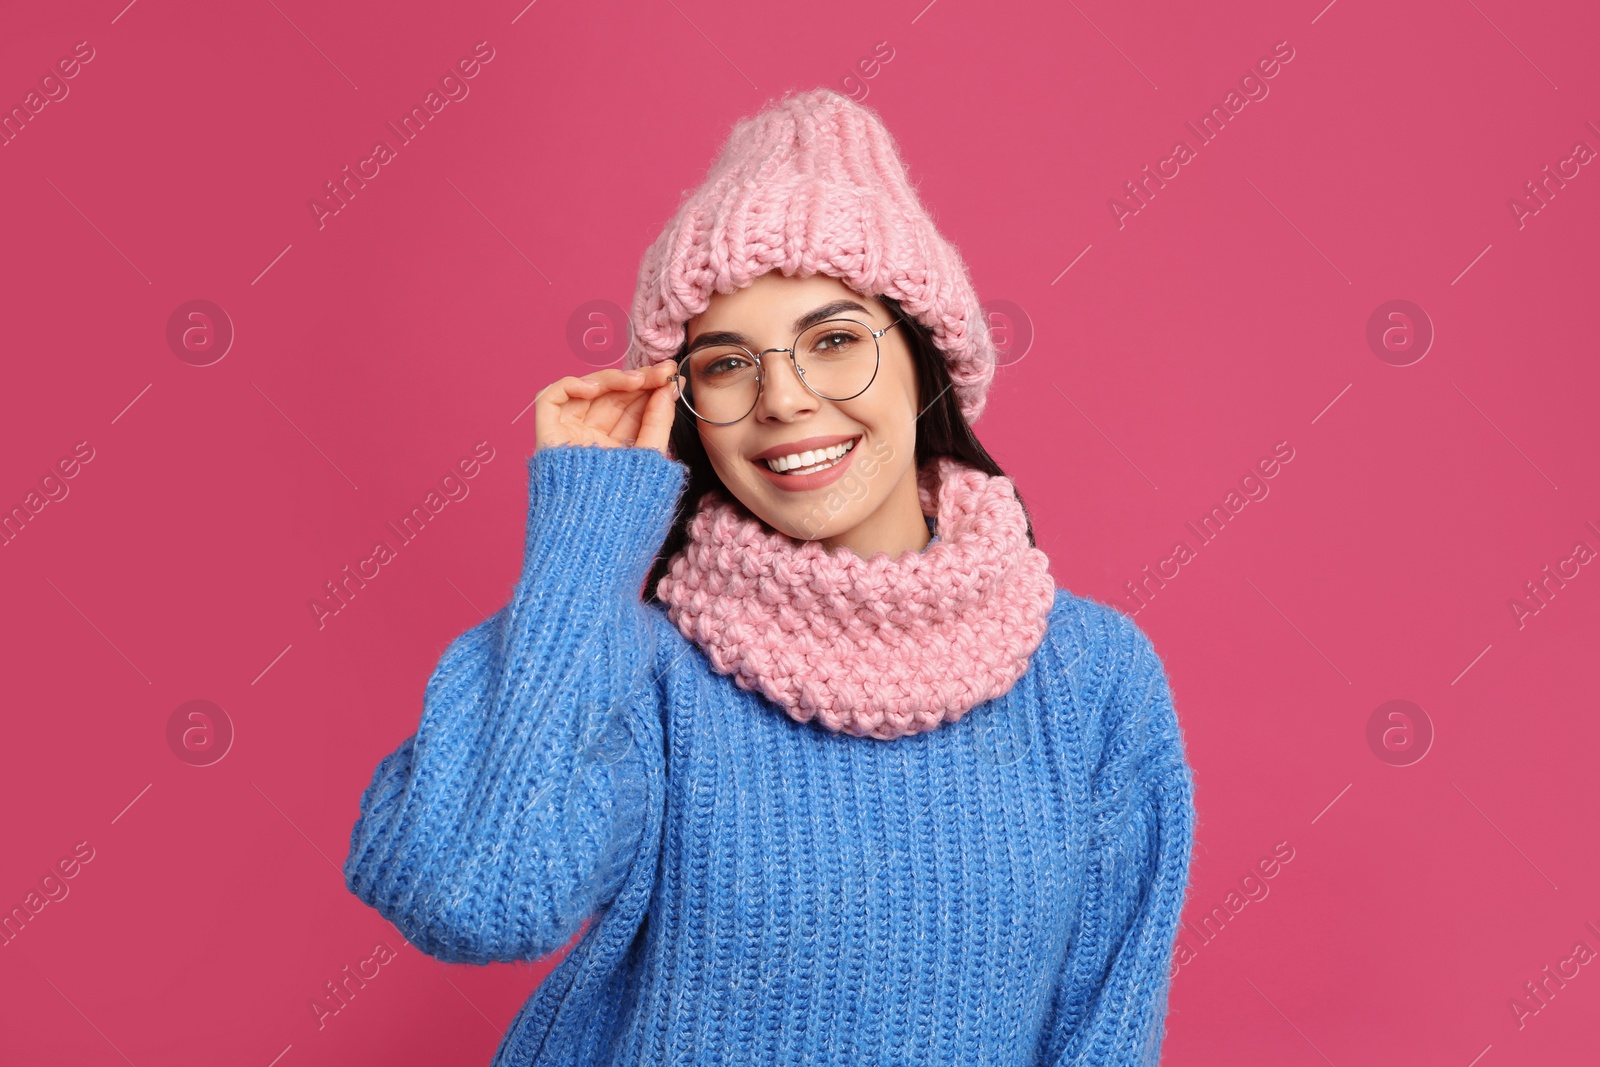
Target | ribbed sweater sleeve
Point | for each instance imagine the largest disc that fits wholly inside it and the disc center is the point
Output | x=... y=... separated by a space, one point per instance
x=515 y=810
x=1142 y=803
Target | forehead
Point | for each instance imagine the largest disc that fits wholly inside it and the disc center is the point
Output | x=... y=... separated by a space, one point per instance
x=772 y=300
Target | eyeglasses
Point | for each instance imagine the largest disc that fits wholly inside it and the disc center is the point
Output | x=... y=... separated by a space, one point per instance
x=836 y=359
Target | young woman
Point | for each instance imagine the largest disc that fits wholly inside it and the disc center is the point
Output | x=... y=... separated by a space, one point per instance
x=786 y=697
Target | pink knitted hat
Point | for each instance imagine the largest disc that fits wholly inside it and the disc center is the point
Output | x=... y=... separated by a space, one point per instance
x=812 y=185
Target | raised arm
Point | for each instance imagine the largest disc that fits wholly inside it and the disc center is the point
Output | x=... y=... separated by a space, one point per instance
x=516 y=809
x=1113 y=998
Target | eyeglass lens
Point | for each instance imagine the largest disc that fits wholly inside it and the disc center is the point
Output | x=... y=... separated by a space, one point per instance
x=836 y=359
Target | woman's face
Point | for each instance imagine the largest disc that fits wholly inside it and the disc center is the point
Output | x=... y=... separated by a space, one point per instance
x=879 y=424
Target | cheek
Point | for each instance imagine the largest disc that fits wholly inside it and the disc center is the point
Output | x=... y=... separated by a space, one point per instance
x=900 y=383
x=722 y=448
x=892 y=413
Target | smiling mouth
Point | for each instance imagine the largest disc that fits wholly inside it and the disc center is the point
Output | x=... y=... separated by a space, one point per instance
x=812 y=461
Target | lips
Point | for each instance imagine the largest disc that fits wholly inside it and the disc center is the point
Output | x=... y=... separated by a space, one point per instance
x=805 y=462
x=803 y=482
x=805 y=444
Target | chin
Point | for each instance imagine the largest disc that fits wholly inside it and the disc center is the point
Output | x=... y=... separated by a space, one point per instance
x=800 y=530
x=829 y=515
x=812 y=516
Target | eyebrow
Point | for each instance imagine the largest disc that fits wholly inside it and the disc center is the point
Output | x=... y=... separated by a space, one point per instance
x=803 y=323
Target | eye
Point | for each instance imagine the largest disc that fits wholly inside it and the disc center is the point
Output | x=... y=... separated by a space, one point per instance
x=834 y=340
x=721 y=364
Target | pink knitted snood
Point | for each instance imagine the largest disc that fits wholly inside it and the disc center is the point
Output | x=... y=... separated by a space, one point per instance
x=878 y=647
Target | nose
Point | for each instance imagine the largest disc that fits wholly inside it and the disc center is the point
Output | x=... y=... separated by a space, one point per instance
x=783 y=394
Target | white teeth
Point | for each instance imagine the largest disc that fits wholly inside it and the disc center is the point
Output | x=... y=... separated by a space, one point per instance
x=799 y=461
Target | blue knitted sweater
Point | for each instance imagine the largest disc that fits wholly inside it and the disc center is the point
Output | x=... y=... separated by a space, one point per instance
x=1003 y=889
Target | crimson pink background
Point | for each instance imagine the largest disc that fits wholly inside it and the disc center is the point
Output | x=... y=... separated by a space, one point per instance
x=1228 y=315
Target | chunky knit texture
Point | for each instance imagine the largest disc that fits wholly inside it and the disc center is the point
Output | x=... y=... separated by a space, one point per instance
x=1002 y=890
x=812 y=185
x=879 y=647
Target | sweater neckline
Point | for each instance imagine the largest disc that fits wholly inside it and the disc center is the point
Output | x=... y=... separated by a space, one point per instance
x=881 y=647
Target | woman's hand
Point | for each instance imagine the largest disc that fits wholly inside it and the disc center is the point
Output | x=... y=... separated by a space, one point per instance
x=612 y=408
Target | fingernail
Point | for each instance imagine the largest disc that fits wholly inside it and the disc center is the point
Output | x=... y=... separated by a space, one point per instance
x=591 y=381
